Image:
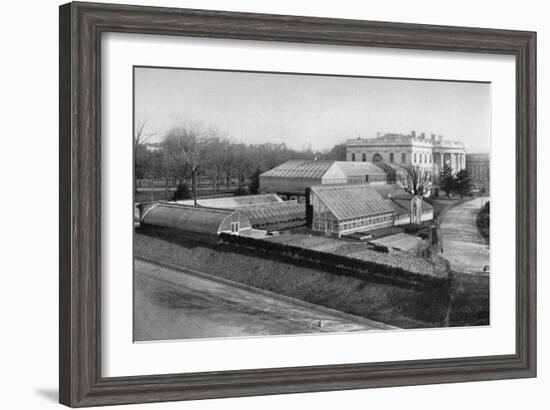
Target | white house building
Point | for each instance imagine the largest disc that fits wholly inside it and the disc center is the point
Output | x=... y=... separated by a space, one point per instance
x=431 y=152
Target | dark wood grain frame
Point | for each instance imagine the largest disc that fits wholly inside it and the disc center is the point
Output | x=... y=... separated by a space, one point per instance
x=81 y=27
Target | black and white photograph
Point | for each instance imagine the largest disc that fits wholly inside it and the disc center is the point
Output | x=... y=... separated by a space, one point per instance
x=239 y=205
x=271 y=204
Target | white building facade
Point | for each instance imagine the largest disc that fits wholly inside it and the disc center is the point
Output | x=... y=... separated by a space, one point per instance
x=431 y=152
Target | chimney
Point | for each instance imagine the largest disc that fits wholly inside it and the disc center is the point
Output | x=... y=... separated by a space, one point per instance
x=413 y=133
x=433 y=137
x=309 y=208
x=422 y=135
x=378 y=134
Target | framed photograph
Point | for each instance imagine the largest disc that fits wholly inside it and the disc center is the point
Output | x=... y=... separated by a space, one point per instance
x=259 y=204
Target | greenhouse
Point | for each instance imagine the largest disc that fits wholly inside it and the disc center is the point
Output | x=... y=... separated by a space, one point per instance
x=197 y=221
x=295 y=176
x=345 y=209
x=275 y=216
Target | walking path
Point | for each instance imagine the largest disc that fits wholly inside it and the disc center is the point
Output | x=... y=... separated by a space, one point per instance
x=463 y=246
x=180 y=303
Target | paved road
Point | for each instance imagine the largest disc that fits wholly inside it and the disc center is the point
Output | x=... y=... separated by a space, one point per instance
x=463 y=245
x=177 y=304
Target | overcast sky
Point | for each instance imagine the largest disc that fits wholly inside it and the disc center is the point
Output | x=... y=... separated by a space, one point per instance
x=316 y=111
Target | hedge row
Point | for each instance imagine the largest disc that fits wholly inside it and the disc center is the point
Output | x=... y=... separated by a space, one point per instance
x=386 y=267
x=483 y=221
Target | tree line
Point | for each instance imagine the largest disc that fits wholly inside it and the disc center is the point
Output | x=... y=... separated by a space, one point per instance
x=188 y=152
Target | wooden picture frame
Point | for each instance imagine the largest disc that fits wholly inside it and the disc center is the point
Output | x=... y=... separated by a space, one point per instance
x=81 y=27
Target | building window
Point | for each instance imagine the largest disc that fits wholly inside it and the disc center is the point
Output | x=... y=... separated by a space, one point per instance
x=364 y=157
x=353 y=156
x=391 y=157
x=234 y=227
x=403 y=157
x=414 y=158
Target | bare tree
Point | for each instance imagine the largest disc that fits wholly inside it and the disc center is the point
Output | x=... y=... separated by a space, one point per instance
x=186 y=146
x=140 y=139
x=217 y=157
x=227 y=161
x=416 y=180
x=243 y=163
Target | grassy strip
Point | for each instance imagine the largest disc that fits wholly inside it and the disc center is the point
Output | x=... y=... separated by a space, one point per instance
x=395 y=305
x=469 y=299
x=439 y=205
x=443 y=205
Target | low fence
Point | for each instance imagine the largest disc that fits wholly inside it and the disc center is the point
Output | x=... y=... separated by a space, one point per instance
x=364 y=269
x=172 y=183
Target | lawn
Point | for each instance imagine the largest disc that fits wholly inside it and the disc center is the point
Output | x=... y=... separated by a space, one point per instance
x=404 y=307
x=469 y=295
x=440 y=204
